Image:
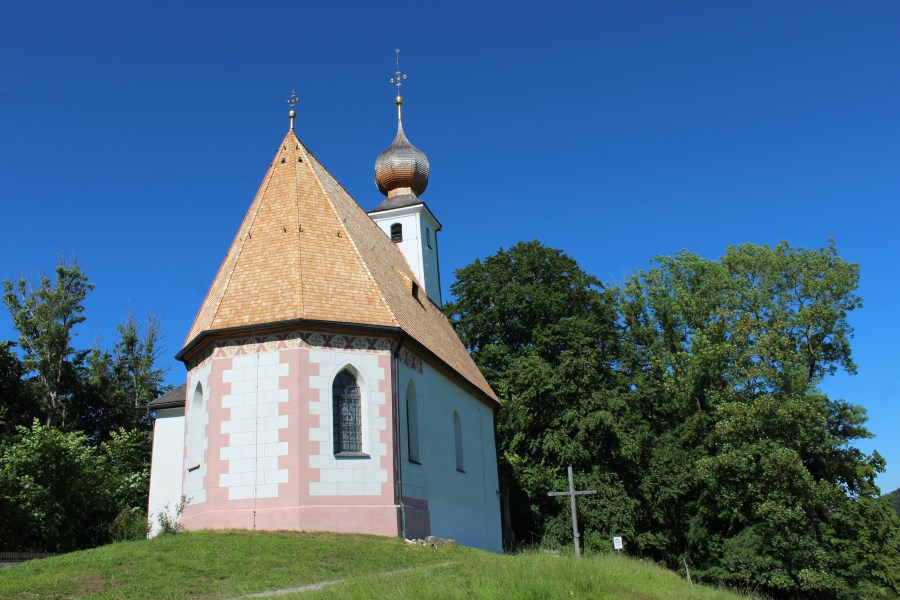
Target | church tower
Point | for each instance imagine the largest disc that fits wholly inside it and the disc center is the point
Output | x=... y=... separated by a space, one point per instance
x=401 y=174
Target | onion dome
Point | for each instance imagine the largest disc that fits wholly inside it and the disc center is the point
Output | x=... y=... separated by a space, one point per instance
x=401 y=168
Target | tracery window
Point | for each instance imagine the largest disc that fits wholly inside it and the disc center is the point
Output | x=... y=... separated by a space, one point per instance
x=347 y=421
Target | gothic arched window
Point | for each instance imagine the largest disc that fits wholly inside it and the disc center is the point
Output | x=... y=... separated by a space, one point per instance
x=195 y=430
x=347 y=421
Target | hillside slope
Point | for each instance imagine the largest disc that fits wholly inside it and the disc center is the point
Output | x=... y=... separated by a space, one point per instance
x=318 y=565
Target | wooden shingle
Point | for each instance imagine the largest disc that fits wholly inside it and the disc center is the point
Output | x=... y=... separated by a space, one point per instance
x=307 y=251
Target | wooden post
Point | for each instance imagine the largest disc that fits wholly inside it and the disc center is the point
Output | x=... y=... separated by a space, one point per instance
x=571 y=494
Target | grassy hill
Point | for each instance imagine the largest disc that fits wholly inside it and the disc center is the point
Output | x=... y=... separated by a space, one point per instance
x=237 y=563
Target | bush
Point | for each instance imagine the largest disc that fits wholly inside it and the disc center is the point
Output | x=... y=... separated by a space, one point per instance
x=129 y=524
x=53 y=492
x=170 y=523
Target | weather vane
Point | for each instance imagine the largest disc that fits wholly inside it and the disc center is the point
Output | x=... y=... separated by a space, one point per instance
x=397 y=80
x=291 y=102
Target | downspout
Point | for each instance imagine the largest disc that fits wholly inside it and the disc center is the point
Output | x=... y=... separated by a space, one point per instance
x=398 y=450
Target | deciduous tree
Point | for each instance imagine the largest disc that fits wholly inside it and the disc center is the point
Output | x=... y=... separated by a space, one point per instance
x=543 y=331
x=116 y=385
x=692 y=401
x=44 y=317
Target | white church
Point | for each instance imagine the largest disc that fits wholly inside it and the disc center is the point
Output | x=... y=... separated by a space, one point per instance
x=326 y=390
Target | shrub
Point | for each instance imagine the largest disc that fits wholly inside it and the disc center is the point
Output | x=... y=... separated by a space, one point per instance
x=170 y=522
x=129 y=524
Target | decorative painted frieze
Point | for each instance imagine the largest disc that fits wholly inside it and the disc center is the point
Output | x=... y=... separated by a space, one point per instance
x=293 y=339
x=410 y=360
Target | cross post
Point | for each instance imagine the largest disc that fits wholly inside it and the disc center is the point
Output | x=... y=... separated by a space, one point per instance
x=571 y=494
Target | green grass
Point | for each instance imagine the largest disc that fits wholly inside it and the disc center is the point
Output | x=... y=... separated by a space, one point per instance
x=233 y=563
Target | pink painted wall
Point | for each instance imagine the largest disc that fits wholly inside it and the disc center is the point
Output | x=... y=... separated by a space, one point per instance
x=294 y=508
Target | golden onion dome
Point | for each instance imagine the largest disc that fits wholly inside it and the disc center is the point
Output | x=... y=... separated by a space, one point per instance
x=401 y=167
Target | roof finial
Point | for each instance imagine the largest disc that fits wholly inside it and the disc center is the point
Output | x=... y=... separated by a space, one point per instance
x=291 y=102
x=397 y=80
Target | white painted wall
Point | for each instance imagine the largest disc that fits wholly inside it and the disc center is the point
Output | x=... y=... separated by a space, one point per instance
x=463 y=506
x=167 y=465
x=252 y=428
x=196 y=436
x=419 y=244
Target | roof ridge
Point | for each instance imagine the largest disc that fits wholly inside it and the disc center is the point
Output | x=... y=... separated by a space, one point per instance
x=257 y=199
x=296 y=201
x=261 y=192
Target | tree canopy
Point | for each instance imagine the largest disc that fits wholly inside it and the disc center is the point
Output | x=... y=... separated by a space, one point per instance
x=75 y=433
x=690 y=398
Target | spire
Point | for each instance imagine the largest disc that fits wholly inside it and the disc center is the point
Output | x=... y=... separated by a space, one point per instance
x=401 y=169
x=291 y=102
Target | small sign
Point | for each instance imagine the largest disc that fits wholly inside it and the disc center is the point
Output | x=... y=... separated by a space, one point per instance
x=617 y=543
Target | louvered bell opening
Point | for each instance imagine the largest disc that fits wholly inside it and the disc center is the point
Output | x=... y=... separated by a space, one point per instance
x=396 y=232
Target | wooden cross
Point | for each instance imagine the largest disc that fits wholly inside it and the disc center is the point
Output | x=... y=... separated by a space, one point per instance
x=571 y=494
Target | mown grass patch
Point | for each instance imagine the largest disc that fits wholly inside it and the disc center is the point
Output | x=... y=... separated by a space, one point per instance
x=528 y=576
x=230 y=564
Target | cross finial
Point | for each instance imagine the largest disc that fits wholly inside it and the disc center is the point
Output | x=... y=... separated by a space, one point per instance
x=399 y=76
x=397 y=80
x=291 y=102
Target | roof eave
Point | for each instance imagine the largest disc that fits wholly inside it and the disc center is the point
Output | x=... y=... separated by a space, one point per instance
x=197 y=341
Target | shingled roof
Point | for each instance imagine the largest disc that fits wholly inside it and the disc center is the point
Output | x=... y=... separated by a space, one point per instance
x=174 y=398
x=306 y=251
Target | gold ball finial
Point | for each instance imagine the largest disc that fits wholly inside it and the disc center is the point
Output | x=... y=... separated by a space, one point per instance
x=399 y=100
x=291 y=102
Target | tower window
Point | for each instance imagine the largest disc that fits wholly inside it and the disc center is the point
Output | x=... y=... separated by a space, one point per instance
x=396 y=232
x=347 y=422
x=428 y=237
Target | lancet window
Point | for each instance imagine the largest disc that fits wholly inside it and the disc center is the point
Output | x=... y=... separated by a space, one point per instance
x=347 y=420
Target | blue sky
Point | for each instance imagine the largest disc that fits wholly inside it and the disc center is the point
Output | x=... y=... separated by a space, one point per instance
x=133 y=138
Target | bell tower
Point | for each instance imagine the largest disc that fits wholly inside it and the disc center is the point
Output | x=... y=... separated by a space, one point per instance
x=401 y=174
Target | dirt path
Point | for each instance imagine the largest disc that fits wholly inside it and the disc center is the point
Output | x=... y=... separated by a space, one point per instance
x=311 y=587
